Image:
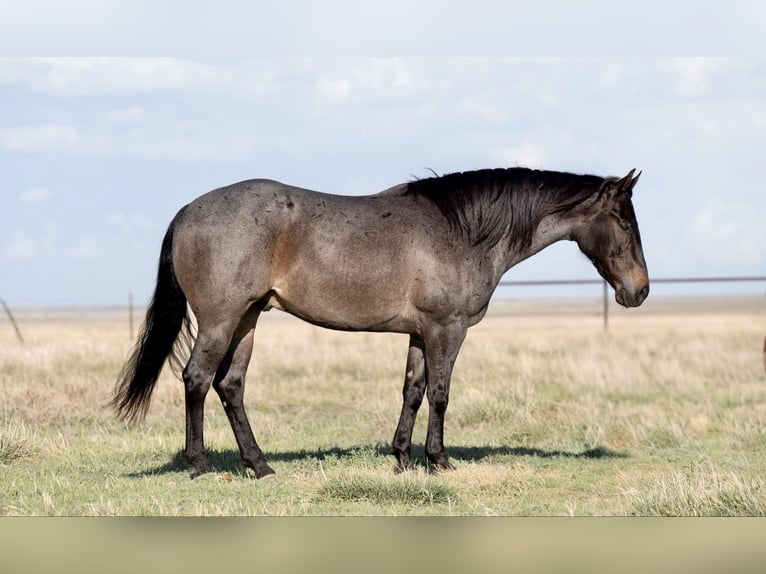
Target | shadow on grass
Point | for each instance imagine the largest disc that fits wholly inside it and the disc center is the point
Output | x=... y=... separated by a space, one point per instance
x=473 y=453
x=229 y=460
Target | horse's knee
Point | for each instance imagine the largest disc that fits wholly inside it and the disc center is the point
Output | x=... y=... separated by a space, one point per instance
x=230 y=388
x=196 y=381
x=438 y=397
x=413 y=397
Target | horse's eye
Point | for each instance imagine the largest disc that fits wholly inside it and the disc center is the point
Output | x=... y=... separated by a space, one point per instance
x=626 y=226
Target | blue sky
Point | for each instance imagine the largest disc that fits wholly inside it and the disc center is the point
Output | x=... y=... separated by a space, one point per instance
x=97 y=154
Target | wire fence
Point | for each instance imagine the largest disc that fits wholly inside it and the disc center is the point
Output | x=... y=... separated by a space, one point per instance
x=605 y=287
x=507 y=284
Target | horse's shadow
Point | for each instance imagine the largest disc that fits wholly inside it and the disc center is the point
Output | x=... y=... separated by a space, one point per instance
x=229 y=460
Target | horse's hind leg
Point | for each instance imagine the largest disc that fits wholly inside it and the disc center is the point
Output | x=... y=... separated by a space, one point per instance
x=209 y=350
x=229 y=383
x=412 y=398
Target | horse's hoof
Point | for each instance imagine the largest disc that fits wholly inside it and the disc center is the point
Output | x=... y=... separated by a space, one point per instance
x=441 y=464
x=197 y=473
x=262 y=472
x=200 y=469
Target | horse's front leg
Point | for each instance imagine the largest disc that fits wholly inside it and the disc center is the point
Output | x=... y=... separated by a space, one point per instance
x=412 y=398
x=442 y=346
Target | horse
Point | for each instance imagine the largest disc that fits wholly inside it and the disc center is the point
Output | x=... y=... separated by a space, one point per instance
x=421 y=258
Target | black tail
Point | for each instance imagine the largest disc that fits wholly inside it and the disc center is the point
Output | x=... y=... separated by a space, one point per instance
x=166 y=316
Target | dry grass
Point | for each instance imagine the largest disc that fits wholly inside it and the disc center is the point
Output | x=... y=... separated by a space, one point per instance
x=665 y=415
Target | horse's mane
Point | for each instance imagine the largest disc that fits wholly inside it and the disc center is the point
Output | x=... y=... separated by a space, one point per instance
x=481 y=205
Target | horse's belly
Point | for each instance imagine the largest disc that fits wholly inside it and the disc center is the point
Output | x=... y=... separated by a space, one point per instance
x=348 y=307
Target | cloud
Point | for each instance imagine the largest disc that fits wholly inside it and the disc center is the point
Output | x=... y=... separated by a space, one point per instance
x=24 y=246
x=92 y=76
x=525 y=154
x=85 y=247
x=39 y=138
x=21 y=246
x=190 y=147
x=612 y=74
x=130 y=222
x=35 y=195
x=374 y=80
x=333 y=91
x=725 y=231
x=75 y=77
x=129 y=115
x=693 y=77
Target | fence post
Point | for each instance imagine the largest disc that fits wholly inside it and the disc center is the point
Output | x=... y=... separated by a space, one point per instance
x=13 y=321
x=130 y=315
x=606 y=306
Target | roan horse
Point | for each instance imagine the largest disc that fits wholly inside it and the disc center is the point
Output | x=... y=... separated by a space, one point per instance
x=421 y=258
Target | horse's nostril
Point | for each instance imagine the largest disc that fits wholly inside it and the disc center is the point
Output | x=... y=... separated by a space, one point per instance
x=641 y=295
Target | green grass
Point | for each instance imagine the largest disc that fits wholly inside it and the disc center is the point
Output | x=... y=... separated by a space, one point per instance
x=406 y=490
x=15 y=443
x=665 y=416
x=702 y=491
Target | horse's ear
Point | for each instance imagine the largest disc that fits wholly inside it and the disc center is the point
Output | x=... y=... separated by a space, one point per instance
x=623 y=185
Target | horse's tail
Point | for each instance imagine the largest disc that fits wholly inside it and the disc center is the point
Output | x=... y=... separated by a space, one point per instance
x=158 y=340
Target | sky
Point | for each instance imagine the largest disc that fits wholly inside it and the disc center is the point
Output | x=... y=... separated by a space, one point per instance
x=98 y=153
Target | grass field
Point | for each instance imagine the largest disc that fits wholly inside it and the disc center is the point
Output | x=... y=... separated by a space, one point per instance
x=664 y=415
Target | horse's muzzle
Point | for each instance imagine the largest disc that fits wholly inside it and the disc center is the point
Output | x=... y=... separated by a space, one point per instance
x=632 y=297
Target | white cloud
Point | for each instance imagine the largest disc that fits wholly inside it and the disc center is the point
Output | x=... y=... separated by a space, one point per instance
x=692 y=77
x=123 y=221
x=612 y=74
x=39 y=137
x=90 y=76
x=194 y=148
x=550 y=148
x=723 y=230
x=71 y=77
x=485 y=108
x=376 y=80
x=129 y=115
x=525 y=154
x=378 y=75
x=21 y=246
x=334 y=91
x=131 y=223
x=85 y=247
x=35 y=195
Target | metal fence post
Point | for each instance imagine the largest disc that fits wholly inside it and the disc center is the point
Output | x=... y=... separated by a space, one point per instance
x=130 y=315
x=13 y=321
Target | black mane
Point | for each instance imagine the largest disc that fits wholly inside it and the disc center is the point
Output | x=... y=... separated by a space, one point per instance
x=481 y=205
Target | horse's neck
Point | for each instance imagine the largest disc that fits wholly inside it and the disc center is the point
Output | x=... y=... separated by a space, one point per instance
x=551 y=229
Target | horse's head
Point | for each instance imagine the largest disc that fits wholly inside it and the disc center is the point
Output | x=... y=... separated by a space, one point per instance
x=607 y=233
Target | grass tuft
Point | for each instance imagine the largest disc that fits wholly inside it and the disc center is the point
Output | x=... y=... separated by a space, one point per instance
x=15 y=443
x=407 y=489
x=704 y=492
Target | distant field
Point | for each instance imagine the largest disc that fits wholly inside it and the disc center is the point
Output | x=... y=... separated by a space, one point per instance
x=663 y=415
